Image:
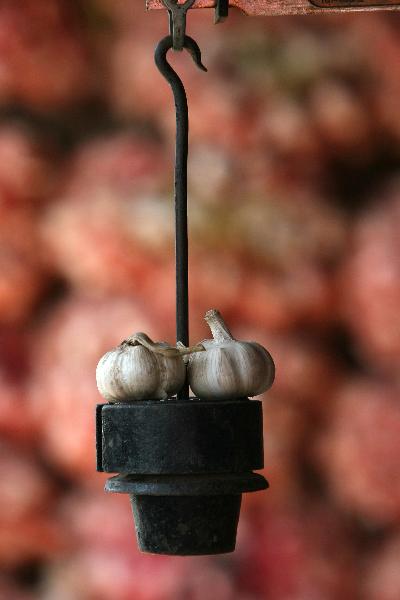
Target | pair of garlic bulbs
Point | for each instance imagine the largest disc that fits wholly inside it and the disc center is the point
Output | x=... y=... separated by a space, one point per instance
x=222 y=368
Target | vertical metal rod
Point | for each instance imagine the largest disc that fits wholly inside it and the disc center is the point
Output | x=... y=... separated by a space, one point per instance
x=181 y=156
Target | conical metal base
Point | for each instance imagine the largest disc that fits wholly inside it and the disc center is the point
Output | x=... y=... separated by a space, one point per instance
x=186 y=525
x=186 y=515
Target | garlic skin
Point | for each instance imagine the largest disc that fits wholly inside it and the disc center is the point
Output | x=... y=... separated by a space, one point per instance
x=229 y=369
x=139 y=369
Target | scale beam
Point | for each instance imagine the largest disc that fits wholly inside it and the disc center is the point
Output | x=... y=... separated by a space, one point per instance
x=294 y=7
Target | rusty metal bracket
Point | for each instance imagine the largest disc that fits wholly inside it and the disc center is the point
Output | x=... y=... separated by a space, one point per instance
x=294 y=7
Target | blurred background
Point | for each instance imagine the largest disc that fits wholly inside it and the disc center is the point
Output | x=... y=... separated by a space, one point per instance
x=295 y=217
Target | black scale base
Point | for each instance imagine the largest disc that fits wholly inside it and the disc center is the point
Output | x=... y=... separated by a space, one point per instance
x=185 y=465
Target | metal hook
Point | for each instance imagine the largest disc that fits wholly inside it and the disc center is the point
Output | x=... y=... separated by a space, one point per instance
x=160 y=57
x=177 y=21
x=181 y=155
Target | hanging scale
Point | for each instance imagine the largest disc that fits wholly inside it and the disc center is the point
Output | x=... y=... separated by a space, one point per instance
x=184 y=461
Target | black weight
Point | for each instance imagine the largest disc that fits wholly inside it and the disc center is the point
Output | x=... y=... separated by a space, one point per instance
x=180 y=437
x=184 y=465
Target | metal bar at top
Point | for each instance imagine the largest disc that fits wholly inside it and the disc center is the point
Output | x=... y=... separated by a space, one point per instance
x=294 y=7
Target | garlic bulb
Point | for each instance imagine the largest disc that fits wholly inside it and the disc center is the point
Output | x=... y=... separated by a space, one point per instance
x=139 y=369
x=229 y=368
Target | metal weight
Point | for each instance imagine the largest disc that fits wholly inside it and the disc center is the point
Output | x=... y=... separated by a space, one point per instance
x=185 y=465
x=190 y=437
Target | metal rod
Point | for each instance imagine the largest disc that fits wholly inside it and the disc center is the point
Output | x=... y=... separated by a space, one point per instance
x=181 y=155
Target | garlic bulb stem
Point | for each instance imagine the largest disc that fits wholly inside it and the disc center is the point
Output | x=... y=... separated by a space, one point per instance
x=144 y=340
x=219 y=328
x=183 y=350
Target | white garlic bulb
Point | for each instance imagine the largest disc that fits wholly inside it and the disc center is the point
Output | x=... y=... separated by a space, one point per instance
x=139 y=369
x=229 y=369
